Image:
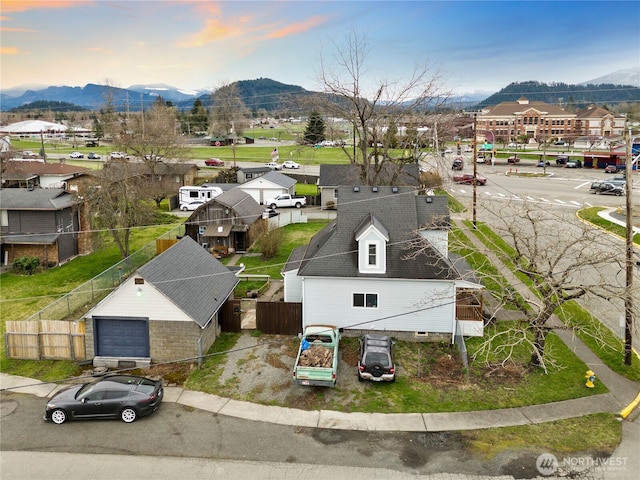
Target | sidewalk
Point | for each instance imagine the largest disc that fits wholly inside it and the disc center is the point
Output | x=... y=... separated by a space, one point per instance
x=400 y=422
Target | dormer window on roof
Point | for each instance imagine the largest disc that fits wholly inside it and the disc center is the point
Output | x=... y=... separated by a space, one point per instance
x=372 y=240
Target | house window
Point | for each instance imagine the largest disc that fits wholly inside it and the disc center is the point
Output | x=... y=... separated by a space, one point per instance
x=4 y=218
x=365 y=300
x=372 y=258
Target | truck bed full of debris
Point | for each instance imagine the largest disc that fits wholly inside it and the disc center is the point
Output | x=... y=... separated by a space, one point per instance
x=316 y=356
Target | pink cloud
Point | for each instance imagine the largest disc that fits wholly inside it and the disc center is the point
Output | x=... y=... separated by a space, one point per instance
x=11 y=6
x=299 y=27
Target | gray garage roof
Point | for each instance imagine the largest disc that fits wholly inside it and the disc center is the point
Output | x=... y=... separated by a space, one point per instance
x=192 y=278
x=333 y=252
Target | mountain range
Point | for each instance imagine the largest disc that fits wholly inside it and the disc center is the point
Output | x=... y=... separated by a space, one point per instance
x=271 y=96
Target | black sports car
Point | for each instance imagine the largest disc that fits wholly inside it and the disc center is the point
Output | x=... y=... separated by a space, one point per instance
x=113 y=396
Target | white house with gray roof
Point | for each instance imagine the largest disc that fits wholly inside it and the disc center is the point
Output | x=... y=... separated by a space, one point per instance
x=166 y=311
x=268 y=186
x=361 y=271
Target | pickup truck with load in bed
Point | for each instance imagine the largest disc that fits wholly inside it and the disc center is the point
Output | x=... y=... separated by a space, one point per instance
x=317 y=360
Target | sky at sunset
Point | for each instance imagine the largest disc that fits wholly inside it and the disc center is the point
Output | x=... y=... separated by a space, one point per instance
x=200 y=45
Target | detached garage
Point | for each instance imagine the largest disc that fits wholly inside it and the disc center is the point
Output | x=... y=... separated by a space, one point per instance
x=166 y=311
x=121 y=337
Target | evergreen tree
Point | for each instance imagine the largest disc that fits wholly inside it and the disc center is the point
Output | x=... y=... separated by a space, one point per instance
x=314 y=131
x=199 y=117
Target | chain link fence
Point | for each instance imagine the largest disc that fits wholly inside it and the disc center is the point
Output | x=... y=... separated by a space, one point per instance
x=81 y=299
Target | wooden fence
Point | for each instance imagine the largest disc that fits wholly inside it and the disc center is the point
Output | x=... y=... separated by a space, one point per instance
x=45 y=339
x=283 y=318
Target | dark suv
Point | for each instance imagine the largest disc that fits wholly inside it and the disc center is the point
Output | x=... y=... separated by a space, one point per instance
x=375 y=359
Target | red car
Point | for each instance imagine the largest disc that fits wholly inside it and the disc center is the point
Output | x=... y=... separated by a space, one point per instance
x=214 y=162
x=611 y=169
x=467 y=178
x=514 y=159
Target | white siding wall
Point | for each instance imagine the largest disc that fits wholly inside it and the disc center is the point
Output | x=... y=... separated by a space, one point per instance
x=292 y=286
x=151 y=303
x=330 y=300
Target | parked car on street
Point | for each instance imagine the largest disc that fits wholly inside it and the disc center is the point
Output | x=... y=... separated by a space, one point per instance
x=214 y=162
x=513 y=159
x=185 y=207
x=375 y=358
x=76 y=155
x=467 y=178
x=273 y=165
x=113 y=396
x=610 y=169
x=543 y=163
x=93 y=156
x=573 y=164
x=562 y=159
x=290 y=164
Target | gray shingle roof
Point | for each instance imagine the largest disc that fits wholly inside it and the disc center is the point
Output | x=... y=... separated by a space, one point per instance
x=333 y=251
x=35 y=199
x=279 y=179
x=191 y=278
x=334 y=175
x=242 y=203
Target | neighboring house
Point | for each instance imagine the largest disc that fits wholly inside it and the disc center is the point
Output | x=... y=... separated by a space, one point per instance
x=333 y=176
x=177 y=173
x=359 y=273
x=40 y=222
x=166 y=311
x=268 y=186
x=247 y=174
x=36 y=173
x=224 y=223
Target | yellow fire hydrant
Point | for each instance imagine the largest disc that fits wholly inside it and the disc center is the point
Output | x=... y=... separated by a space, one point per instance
x=590 y=376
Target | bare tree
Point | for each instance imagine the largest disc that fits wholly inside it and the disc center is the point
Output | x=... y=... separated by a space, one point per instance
x=558 y=259
x=228 y=114
x=118 y=203
x=154 y=136
x=370 y=110
x=109 y=119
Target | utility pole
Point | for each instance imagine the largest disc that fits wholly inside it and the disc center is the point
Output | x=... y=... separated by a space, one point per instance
x=475 y=167
x=628 y=299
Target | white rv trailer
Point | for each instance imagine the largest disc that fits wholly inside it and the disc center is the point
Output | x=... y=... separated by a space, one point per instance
x=205 y=193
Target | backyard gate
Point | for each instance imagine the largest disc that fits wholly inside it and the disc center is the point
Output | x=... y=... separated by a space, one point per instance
x=279 y=318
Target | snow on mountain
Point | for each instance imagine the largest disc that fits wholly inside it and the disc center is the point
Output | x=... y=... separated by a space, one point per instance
x=629 y=76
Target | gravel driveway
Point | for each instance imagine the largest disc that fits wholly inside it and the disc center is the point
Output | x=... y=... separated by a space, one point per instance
x=259 y=369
